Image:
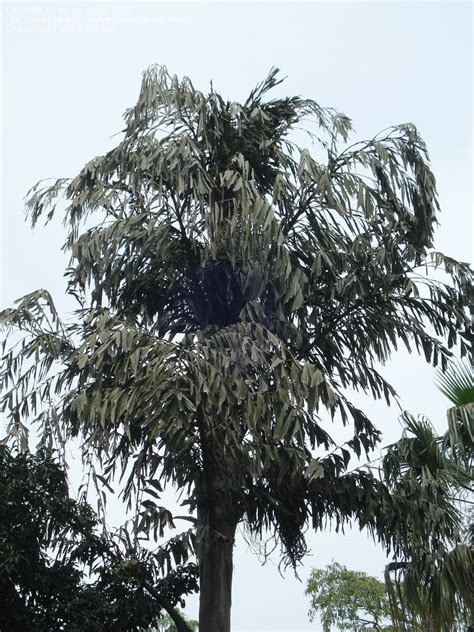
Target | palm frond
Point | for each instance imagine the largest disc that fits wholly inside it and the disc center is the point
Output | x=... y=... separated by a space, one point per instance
x=457 y=383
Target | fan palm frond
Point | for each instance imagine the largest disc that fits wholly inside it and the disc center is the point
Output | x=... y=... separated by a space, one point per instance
x=457 y=383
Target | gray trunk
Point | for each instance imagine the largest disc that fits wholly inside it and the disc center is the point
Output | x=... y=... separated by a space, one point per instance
x=217 y=519
x=215 y=578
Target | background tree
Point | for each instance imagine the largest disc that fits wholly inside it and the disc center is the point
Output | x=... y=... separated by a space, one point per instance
x=348 y=600
x=60 y=570
x=232 y=286
x=166 y=624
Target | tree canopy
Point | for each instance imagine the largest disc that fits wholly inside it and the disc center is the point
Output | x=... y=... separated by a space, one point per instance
x=232 y=287
x=350 y=600
x=59 y=568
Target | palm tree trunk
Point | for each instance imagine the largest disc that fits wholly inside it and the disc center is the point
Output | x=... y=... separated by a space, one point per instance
x=217 y=519
x=215 y=577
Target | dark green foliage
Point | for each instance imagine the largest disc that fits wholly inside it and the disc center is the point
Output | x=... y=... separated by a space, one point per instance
x=57 y=570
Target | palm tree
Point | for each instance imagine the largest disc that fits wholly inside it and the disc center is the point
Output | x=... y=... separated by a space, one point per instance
x=457 y=384
x=434 y=588
x=232 y=288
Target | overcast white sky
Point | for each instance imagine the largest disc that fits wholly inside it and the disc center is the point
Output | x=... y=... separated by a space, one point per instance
x=71 y=69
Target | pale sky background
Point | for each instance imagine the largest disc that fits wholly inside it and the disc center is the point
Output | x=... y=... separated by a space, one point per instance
x=69 y=71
